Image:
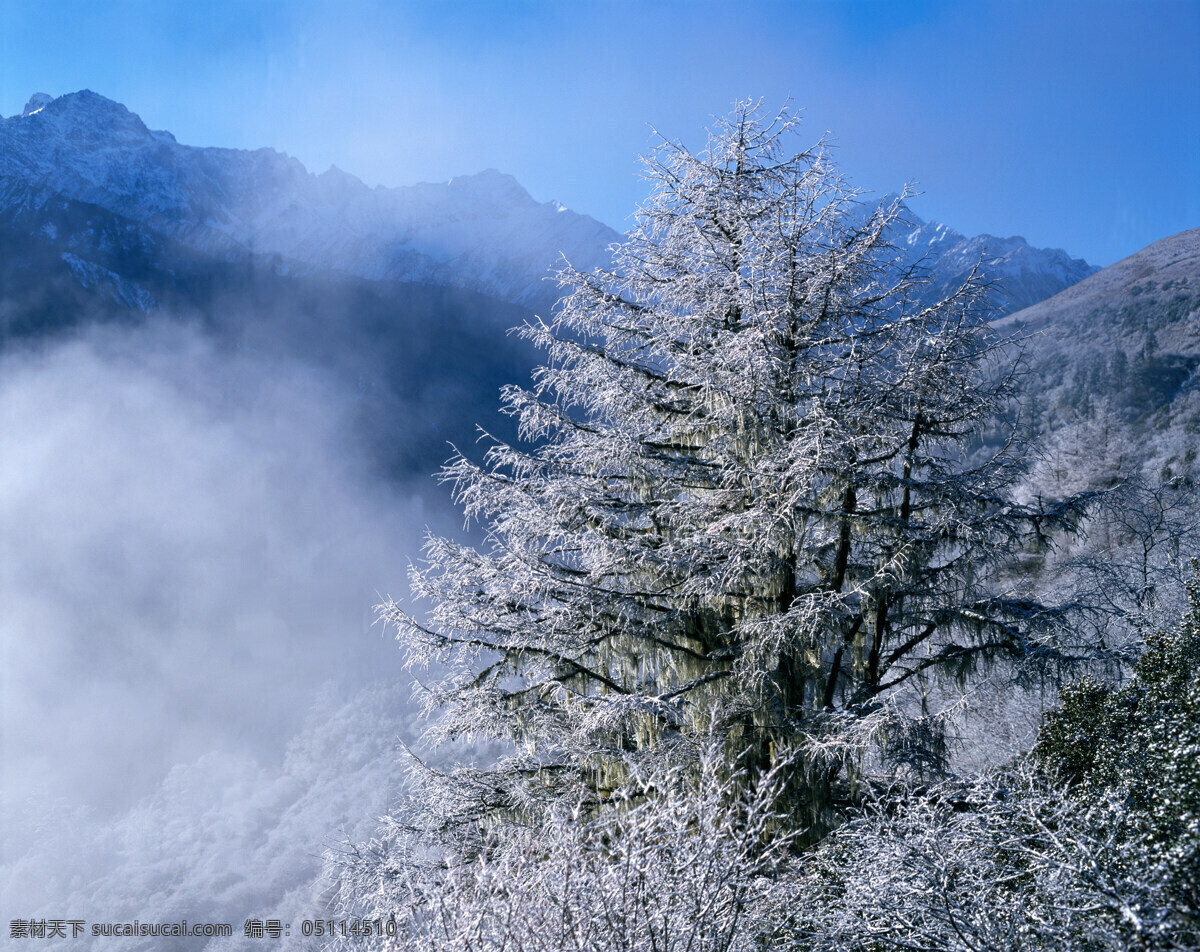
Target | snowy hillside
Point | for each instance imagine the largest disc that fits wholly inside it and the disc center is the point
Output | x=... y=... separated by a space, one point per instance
x=1157 y=289
x=1124 y=345
x=1113 y=395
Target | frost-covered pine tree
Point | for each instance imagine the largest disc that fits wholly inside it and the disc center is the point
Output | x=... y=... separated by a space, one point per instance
x=742 y=504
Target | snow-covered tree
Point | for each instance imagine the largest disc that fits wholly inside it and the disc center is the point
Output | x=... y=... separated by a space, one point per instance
x=1139 y=747
x=680 y=867
x=1135 y=556
x=744 y=504
x=1093 y=843
x=1007 y=861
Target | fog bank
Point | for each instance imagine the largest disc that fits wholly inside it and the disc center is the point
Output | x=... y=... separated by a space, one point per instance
x=192 y=551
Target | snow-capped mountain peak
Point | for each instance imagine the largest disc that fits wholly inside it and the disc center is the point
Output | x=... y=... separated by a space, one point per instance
x=483 y=231
x=1022 y=274
x=37 y=102
x=82 y=113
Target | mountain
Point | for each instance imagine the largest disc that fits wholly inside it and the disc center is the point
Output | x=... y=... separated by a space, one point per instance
x=407 y=293
x=1020 y=274
x=1123 y=347
x=1112 y=393
x=482 y=232
x=114 y=202
x=1155 y=292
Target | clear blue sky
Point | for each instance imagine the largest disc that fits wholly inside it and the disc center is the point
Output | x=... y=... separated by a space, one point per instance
x=1075 y=124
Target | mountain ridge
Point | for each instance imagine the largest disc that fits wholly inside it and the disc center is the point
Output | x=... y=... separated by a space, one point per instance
x=1021 y=274
x=1114 y=368
x=482 y=232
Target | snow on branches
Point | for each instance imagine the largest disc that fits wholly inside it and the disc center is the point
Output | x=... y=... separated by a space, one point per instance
x=744 y=504
x=676 y=867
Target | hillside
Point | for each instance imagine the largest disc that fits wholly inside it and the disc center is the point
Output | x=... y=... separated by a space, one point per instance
x=1121 y=350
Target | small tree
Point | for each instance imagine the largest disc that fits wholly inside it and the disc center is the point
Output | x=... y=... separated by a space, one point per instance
x=744 y=506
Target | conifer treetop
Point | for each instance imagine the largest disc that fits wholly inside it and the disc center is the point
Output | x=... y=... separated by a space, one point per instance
x=743 y=503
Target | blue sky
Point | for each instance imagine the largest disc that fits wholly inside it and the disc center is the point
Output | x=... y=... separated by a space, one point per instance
x=1075 y=124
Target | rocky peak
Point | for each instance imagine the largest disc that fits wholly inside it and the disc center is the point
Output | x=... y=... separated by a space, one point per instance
x=37 y=102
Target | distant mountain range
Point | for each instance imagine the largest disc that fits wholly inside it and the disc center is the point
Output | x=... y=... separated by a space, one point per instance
x=1019 y=274
x=482 y=232
x=83 y=176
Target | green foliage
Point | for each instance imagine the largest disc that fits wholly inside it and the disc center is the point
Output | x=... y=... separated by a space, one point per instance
x=1139 y=747
x=1072 y=735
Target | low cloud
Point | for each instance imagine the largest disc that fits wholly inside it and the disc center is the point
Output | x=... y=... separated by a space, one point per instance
x=192 y=550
